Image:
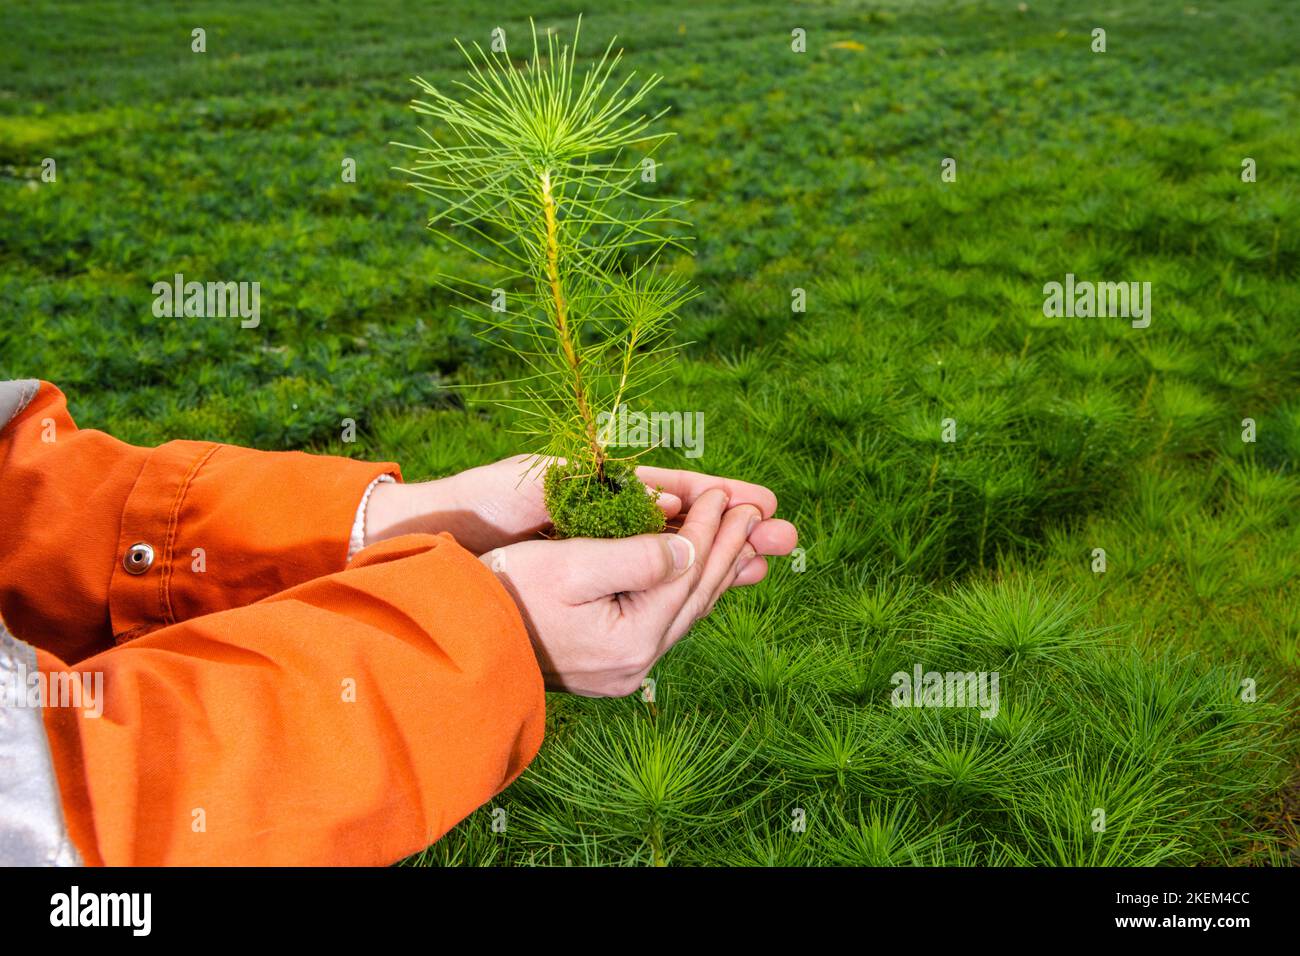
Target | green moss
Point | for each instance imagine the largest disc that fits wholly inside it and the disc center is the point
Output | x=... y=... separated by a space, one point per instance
x=583 y=507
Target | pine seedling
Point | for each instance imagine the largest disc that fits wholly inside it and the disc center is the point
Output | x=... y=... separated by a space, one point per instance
x=538 y=172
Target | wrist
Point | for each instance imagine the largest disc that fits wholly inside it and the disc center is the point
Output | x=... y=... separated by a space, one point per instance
x=397 y=509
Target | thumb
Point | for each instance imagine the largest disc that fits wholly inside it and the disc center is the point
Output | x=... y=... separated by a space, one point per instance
x=601 y=567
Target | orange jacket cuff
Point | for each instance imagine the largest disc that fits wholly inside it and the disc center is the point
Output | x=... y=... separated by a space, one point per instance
x=228 y=526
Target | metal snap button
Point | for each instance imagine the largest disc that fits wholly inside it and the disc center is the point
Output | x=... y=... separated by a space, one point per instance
x=139 y=558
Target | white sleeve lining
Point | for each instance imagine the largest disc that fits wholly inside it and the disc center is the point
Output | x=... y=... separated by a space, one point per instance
x=357 y=540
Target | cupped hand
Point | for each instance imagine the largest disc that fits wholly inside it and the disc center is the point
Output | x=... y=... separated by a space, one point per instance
x=601 y=612
x=499 y=504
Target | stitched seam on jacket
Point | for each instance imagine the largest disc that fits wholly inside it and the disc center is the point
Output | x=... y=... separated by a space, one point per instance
x=173 y=523
x=120 y=637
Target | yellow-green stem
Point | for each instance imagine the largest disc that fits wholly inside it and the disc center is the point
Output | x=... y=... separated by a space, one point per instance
x=562 y=326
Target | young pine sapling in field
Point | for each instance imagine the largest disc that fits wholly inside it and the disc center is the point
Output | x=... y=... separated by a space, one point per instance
x=538 y=171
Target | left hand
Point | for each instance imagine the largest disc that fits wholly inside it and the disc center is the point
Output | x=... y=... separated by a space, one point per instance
x=499 y=504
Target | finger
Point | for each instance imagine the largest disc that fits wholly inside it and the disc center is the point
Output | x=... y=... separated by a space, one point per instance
x=669 y=504
x=752 y=572
x=721 y=566
x=746 y=555
x=731 y=545
x=774 y=536
x=595 y=568
x=700 y=528
x=688 y=486
x=732 y=571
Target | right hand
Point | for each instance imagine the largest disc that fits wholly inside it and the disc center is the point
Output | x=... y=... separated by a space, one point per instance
x=600 y=613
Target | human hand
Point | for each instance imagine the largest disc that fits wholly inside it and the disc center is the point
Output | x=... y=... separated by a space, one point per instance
x=601 y=612
x=499 y=504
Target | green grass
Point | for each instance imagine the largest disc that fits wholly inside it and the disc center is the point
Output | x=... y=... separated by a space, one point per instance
x=1121 y=691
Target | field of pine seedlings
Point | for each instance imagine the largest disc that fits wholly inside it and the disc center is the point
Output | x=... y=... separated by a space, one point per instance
x=1104 y=514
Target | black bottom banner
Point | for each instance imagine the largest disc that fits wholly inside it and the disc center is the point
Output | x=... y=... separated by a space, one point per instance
x=333 y=905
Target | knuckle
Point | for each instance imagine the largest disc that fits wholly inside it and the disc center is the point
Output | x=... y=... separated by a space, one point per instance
x=696 y=574
x=656 y=553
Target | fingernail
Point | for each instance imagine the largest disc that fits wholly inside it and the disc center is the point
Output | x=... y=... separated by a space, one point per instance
x=753 y=523
x=683 y=550
x=746 y=554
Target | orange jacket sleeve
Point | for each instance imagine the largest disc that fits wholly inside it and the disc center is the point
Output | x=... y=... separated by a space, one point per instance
x=227 y=526
x=266 y=704
x=353 y=719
